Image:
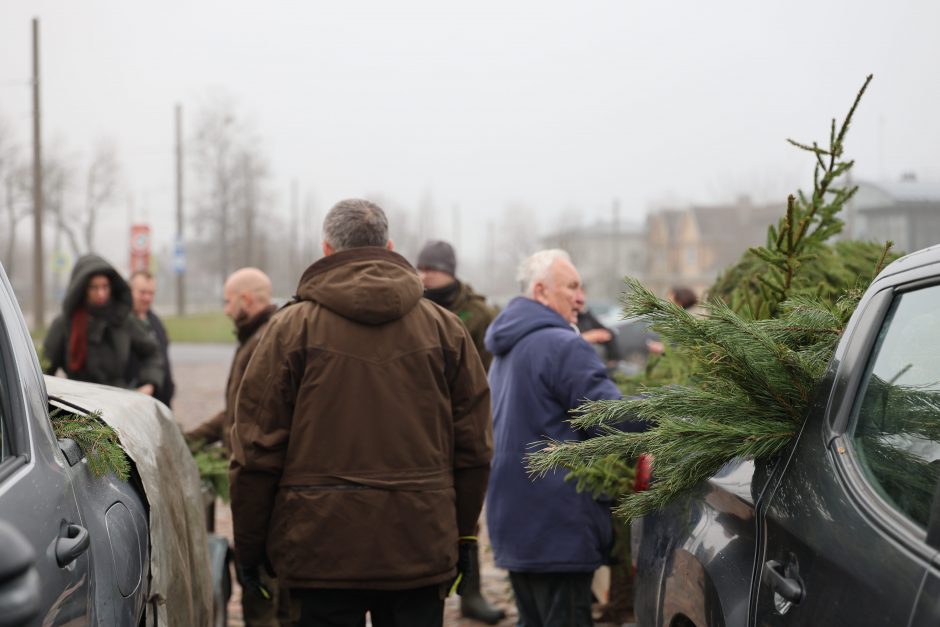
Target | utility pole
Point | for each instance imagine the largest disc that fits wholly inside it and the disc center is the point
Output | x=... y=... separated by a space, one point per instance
x=179 y=260
x=294 y=224
x=39 y=287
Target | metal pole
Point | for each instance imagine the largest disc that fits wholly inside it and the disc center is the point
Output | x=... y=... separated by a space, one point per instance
x=180 y=271
x=295 y=260
x=39 y=287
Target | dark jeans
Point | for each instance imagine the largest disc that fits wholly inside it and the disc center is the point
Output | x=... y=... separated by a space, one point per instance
x=553 y=599
x=418 y=607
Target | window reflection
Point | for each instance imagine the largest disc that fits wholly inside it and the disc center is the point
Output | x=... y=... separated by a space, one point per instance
x=897 y=432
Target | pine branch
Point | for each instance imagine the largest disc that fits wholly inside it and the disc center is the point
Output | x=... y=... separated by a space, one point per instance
x=98 y=442
x=752 y=367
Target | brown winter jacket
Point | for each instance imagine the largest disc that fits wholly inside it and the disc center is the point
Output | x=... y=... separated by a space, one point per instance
x=219 y=427
x=362 y=435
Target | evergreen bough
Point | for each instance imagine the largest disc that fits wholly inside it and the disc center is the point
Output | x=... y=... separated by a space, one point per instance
x=213 y=466
x=742 y=375
x=98 y=442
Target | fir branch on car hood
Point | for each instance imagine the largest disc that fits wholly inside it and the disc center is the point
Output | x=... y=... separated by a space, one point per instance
x=98 y=442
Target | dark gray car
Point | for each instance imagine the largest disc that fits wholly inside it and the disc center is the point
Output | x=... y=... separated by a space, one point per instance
x=76 y=549
x=844 y=527
x=73 y=548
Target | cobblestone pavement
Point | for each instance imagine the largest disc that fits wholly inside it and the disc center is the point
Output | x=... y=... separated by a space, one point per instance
x=200 y=372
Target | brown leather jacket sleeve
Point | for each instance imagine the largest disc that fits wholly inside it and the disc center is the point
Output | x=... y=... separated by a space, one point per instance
x=260 y=437
x=209 y=431
x=473 y=433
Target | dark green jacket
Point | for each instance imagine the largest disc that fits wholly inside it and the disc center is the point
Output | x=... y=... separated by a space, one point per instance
x=476 y=315
x=114 y=334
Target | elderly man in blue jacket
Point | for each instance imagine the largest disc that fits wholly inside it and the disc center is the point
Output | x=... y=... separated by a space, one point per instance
x=548 y=536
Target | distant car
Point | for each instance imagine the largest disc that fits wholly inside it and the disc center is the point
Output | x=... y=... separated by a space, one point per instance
x=76 y=549
x=843 y=528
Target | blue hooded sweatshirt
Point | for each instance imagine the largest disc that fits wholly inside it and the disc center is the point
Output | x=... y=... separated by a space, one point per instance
x=541 y=370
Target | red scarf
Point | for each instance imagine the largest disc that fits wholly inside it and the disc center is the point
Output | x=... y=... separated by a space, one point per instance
x=78 y=340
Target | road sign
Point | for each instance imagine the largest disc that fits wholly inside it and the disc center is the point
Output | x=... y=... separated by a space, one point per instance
x=179 y=257
x=140 y=248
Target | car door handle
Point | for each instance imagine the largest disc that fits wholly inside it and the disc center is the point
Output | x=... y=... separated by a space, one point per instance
x=73 y=541
x=784 y=582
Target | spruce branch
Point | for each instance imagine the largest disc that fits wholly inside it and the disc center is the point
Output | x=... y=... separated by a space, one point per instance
x=98 y=442
x=749 y=368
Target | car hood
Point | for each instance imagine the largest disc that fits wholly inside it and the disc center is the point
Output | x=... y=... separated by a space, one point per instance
x=181 y=583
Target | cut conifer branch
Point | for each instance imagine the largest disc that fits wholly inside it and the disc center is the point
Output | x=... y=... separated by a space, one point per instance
x=751 y=365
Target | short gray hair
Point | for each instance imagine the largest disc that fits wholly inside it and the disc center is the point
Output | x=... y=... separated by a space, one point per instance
x=354 y=223
x=537 y=268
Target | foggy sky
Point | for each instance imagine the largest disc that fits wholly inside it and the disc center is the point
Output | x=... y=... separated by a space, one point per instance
x=560 y=106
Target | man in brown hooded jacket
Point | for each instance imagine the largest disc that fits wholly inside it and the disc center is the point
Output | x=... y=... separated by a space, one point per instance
x=362 y=438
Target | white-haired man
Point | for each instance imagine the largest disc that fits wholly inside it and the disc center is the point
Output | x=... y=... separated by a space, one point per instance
x=550 y=537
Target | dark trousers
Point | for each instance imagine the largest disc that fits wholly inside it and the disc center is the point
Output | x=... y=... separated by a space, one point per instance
x=553 y=599
x=418 y=607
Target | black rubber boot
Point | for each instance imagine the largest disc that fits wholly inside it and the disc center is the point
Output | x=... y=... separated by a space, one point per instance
x=472 y=603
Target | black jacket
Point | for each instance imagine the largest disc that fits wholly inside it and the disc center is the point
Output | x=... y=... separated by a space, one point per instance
x=113 y=333
x=167 y=387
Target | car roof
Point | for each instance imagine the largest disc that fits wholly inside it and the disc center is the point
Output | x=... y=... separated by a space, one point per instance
x=917 y=259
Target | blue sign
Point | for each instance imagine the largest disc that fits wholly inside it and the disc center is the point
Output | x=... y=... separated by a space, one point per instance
x=179 y=257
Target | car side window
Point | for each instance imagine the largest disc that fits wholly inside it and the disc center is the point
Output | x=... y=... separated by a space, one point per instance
x=897 y=428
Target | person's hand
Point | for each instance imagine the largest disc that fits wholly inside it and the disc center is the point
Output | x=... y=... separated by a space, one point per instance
x=250 y=579
x=655 y=347
x=597 y=336
x=147 y=388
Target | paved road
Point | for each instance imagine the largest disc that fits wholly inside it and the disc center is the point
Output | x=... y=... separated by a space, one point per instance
x=200 y=372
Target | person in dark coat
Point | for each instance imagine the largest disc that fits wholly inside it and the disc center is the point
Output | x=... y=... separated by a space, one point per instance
x=362 y=438
x=247 y=293
x=550 y=537
x=143 y=289
x=437 y=267
x=96 y=334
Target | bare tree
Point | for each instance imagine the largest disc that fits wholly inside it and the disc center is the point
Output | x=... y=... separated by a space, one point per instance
x=514 y=239
x=230 y=174
x=14 y=178
x=101 y=186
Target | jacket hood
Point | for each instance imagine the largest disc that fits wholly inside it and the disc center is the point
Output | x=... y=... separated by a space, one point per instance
x=521 y=317
x=86 y=267
x=369 y=285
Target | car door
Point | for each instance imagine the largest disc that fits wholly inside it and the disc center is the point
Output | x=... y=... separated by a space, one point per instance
x=845 y=531
x=40 y=525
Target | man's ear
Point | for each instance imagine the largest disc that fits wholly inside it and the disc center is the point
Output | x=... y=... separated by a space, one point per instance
x=390 y=245
x=538 y=293
x=327 y=249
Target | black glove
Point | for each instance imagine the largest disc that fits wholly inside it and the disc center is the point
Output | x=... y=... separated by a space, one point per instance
x=250 y=579
x=466 y=549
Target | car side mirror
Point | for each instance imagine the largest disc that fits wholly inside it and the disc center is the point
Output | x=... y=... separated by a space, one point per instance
x=19 y=581
x=71 y=450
